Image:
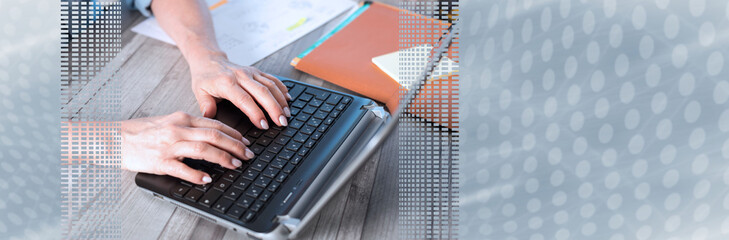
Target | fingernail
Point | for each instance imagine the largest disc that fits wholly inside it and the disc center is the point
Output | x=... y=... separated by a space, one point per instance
x=207 y=179
x=249 y=153
x=282 y=120
x=289 y=96
x=264 y=124
x=203 y=111
x=287 y=111
x=245 y=141
x=237 y=163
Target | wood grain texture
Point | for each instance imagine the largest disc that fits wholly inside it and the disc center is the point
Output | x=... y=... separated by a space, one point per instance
x=155 y=80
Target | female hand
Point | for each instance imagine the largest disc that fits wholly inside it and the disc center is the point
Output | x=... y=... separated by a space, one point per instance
x=158 y=144
x=214 y=77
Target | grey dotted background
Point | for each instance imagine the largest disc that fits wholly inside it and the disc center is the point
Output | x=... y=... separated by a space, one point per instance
x=29 y=119
x=599 y=119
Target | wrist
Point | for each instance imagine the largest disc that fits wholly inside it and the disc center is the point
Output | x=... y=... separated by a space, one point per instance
x=201 y=52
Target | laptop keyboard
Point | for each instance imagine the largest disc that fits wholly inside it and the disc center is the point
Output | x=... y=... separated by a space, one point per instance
x=243 y=192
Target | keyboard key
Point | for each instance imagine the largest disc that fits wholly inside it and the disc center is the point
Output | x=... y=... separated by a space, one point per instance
x=266 y=156
x=318 y=94
x=288 y=84
x=275 y=148
x=296 y=91
x=281 y=177
x=341 y=106
x=204 y=187
x=286 y=154
x=262 y=182
x=289 y=132
x=309 y=143
x=271 y=133
x=316 y=135
x=299 y=104
x=327 y=108
x=308 y=130
x=329 y=121
x=346 y=100
x=222 y=205
x=309 y=110
x=245 y=202
x=296 y=159
x=179 y=190
x=264 y=141
x=303 y=117
x=303 y=151
x=215 y=175
x=294 y=146
x=306 y=97
x=258 y=165
x=270 y=172
x=241 y=183
x=194 y=195
x=236 y=211
x=265 y=196
x=257 y=149
x=320 y=114
x=322 y=128
x=315 y=103
x=233 y=193
x=248 y=216
x=282 y=140
x=210 y=197
x=273 y=186
x=222 y=185
x=300 y=137
x=334 y=114
x=254 y=191
x=295 y=111
x=256 y=206
x=314 y=122
x=230 y=175
x=278 y=163
x=288 y=168
x=250 y=174
x=255 y=133
x=296 y=124
x=334 y=99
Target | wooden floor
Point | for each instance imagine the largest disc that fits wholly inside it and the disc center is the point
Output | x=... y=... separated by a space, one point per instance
x=155 y=80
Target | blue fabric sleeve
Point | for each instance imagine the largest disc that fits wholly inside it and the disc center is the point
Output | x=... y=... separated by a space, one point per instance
x=142 y=5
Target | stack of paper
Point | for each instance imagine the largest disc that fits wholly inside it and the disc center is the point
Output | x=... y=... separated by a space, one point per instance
x=248 y=31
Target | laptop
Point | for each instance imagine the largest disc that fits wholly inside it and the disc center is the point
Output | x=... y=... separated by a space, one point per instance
x=297 y=169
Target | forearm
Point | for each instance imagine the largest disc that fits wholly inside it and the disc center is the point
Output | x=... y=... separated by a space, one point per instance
x=189 y=24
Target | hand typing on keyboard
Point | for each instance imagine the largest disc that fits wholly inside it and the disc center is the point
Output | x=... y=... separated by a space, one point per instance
x=217 y=78
x=158 y=144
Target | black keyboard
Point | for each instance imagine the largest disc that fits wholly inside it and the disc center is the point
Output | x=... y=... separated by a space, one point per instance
x=243 y=192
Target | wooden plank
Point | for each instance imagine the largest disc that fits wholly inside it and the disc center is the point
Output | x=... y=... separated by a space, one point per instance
x=331 y=216
x=173 y=93
x=358 y=198
x=381 y=220
x=178 y=226
x=144 y=217
x=205 y=229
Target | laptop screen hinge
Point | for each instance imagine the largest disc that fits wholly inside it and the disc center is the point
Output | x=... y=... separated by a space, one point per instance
x=289 y=223
x=378 y=110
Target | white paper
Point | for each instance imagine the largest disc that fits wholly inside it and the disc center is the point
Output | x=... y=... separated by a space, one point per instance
x=248 y=31
x=390 y=64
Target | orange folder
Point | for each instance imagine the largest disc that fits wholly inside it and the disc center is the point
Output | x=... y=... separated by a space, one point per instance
x=345 y=59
